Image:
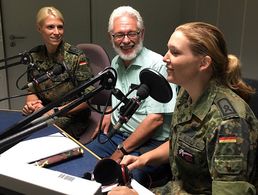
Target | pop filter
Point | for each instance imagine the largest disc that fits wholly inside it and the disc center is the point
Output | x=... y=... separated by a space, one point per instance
x=108 y=171
x=159 y=88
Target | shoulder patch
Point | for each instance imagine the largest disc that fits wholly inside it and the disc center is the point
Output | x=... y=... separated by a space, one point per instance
x=36 y=49
x=74 y=50
x=226 y=108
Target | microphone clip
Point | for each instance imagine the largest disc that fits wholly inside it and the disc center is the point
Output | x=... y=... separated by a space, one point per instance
x=128 y=109
x=26 y=58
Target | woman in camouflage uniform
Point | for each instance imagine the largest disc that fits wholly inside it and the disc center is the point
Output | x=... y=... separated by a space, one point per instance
x=213 y=142
x=50 y=24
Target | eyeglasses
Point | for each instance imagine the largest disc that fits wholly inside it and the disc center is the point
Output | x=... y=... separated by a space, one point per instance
x=121 y=36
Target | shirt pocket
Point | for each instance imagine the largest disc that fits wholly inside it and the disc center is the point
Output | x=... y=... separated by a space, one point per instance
x=190 y=153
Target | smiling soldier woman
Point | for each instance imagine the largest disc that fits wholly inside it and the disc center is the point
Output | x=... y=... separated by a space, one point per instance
x=55 y=51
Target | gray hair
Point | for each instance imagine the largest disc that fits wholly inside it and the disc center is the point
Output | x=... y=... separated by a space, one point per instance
x=122 y=10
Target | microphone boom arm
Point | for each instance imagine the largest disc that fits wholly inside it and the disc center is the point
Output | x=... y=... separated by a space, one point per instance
x=107 y=81
x=26 y=58
x=37 y=125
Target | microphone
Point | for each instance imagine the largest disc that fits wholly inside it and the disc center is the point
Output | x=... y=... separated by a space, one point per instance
x=153 y=84
x=108 y=172
x=130 y=106
x=57 y=70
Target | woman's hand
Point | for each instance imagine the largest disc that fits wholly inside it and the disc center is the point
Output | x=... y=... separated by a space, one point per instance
x=31 y=106
x=122 y=190
x=133 y=162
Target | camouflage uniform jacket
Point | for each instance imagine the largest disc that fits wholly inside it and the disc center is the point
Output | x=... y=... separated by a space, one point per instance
x=213 y=143
x=77 y=70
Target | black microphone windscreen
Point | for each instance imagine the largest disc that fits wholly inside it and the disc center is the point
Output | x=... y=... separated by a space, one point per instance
x=107 y=172
x=160 y=89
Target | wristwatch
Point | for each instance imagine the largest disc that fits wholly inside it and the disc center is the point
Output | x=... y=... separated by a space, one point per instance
x=121 y=148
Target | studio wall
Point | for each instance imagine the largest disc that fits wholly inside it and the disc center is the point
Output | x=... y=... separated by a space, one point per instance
x=88 y=23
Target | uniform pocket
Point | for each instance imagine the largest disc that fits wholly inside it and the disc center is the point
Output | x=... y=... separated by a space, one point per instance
x=190 y=150
x=228 y=165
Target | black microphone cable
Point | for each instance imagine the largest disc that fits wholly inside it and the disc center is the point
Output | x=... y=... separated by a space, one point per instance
x=31 y=66
x=109 y=99
x=106 y=137
x=30 y=93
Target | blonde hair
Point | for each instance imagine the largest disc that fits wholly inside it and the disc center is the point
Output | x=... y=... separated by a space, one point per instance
x=44 y=12
x=206 y=39
x=234 y=79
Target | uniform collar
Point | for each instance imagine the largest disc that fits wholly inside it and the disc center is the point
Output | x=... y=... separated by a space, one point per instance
x=59 y=50
x=199 y=109
x=204 y=103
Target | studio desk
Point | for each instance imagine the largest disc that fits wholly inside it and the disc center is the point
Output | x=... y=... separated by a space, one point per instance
x=75 y=167
x=65 y=177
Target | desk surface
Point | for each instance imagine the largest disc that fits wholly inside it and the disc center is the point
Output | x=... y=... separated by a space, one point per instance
x=76 y=167
x=8 y=118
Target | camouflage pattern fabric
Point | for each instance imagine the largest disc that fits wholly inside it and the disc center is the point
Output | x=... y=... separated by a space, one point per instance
x=172 y=187
x=77 y=70
x=213 y=144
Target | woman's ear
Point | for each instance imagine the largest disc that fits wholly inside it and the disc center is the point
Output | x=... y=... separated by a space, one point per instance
x=205 y=62
x=38 y=28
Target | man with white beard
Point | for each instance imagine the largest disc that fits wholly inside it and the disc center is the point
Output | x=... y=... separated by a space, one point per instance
x=149 y=125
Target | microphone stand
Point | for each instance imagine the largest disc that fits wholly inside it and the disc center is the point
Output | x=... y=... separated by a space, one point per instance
x=15 y=138
x=18 y=131
x=26 y=58
x=45 y=121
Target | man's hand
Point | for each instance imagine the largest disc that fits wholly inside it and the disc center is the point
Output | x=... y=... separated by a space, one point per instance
x=117 y=156
x=105 y=126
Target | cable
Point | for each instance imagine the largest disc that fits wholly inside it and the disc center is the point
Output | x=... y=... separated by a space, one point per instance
x=107 y=138
x=31 y=66
x=21 y=95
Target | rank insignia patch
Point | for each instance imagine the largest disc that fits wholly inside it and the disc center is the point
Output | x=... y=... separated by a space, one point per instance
x=226 y=108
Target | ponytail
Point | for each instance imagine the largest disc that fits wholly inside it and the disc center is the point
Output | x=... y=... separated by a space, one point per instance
x=234 y=79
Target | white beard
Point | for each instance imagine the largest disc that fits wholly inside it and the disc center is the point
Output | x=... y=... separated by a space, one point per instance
x=132 y=55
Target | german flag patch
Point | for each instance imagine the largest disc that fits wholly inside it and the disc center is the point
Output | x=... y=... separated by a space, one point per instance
x=231 y=139
x=83 y=63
